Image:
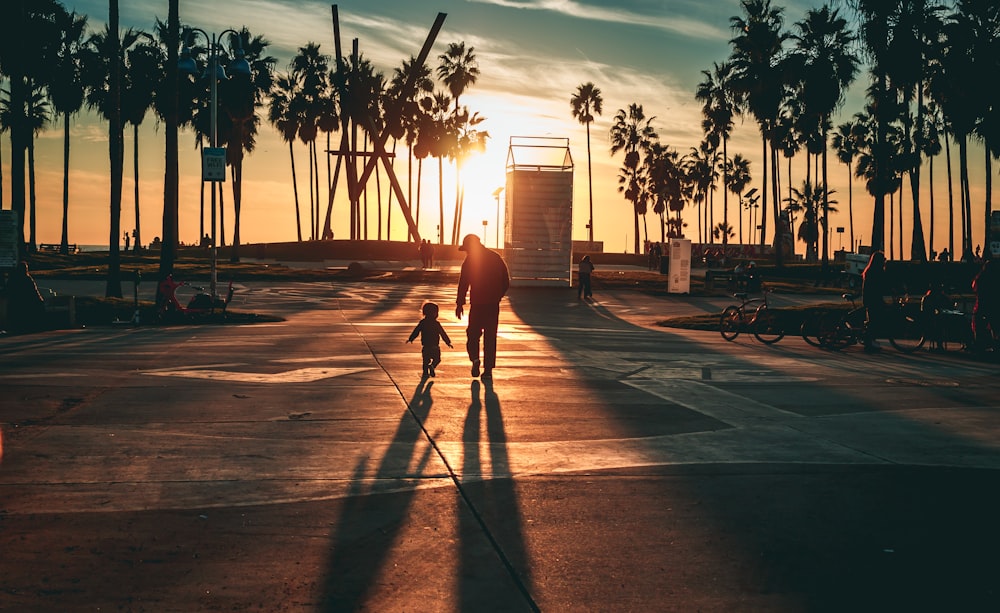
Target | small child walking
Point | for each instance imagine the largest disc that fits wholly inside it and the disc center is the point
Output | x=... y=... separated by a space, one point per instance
x=431 y=332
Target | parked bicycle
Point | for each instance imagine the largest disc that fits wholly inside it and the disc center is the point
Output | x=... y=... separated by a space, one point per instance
x=751 y=315
x=200 y=304
x=836 y=330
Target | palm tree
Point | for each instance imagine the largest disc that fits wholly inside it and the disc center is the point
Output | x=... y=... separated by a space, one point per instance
x=66 y=93
x=719 y=104
x=875 y=34
x=928 y=143
x=407 y=110
x=458 y=70
x=758 y=79
x=145 y=69
x=823 y=44
x=359 y=87
x=441 y=137
x=105 y=71
x=311 y=69
x=846 y=143
x=632 y=133
x=469 y=140
x=699 y=167
x=27 y=37
x=810 y=201
x=738 y=171
x=664 y=182
x=167 y=108
x=283 y=113
x=980 y=19
x=585 y=103
x=239 y=98
x=38 y=117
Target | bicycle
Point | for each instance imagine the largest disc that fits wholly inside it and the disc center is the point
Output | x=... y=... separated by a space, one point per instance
x=903 y=327
x=200 y=304
x=763 y=322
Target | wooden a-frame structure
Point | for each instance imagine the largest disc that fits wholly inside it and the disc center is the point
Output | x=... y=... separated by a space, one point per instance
x=379 y=154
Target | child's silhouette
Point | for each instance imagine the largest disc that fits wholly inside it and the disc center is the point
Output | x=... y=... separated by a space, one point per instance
x=431 y=332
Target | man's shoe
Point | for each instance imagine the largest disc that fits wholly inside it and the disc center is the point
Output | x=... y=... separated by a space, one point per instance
x=475 y=368
x=487 y=375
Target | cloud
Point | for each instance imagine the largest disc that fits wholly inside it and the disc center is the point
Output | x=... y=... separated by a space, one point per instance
x=668 y=21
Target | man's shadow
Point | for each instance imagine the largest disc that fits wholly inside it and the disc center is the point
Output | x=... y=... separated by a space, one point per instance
x=492 y=495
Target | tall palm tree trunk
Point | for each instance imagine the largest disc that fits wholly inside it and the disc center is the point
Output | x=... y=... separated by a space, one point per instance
x=332 y=191
x=989 y=191
x=850 y=203
x=171 y=172
x=295 y=191
x=64 y=241
x=116 y=153
x=765 y=162
x=222 y=210
x=930 y=193
x=963 y=179
x=590 y=190
x=234 y=254
x=135 y=174
x=441 y=199
x=951 y=196
x=826 y=207
x=32 y=212
x=312 y=191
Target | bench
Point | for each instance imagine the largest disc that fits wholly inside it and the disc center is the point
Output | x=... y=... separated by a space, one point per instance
x=55 y=308
x=56 y=248
x=714 y=275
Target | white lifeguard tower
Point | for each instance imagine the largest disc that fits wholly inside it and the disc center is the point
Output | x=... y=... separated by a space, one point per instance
x=538 y=224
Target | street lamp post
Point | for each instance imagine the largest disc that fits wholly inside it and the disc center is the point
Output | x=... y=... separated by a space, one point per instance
x=210 y=172
x=496 y=194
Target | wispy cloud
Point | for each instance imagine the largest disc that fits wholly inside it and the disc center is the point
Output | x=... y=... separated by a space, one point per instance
x=673 y=22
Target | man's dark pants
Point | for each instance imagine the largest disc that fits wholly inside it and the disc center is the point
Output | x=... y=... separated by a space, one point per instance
x=483 y=321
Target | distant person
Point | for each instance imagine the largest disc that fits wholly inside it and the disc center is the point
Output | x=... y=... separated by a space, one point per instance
x=944 y=256
x=431 y=332
x=127 y=237
x=873 y=289
x=486 y=279
x=932 y=307
x=25 y=307
x=986 y=286
x=422 y=252
x=584 y=270
x=751 y=277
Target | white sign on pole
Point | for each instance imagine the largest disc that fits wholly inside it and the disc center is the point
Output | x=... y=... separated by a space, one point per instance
x=679 y=280
x=213 y=164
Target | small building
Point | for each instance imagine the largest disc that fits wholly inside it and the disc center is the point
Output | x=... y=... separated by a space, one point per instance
x=538 y=225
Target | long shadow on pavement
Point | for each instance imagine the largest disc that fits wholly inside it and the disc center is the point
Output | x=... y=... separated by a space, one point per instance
x=794 y=535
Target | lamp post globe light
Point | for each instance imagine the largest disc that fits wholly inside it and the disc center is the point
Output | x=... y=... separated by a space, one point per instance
x=212 y=171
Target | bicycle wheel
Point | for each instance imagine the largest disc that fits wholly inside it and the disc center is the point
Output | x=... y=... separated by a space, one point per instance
x=810 y=331
x=766 y=326
x=907 y=334
x=730 y=323
x=833 y=332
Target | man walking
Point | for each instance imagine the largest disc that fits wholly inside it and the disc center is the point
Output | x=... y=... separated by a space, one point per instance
x=486 y=278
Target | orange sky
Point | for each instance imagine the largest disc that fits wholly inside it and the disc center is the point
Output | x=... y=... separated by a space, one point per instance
x=524 y=90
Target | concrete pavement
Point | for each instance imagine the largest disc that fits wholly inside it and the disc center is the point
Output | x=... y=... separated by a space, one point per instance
x=611 y=465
